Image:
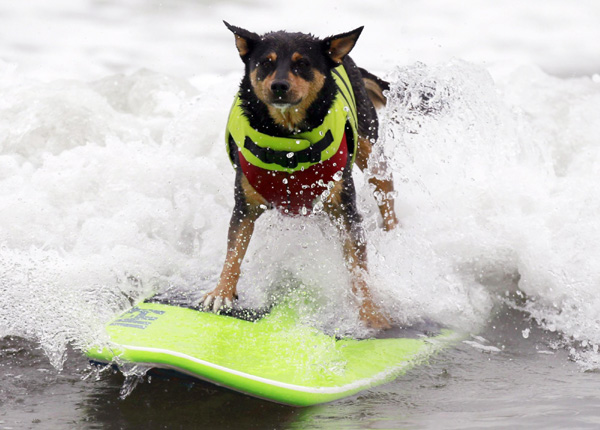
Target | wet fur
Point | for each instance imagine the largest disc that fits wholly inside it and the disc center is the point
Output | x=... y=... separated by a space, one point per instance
x=304 y=62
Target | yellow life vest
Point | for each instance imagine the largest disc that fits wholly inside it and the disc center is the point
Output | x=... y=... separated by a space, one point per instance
x=302 y=150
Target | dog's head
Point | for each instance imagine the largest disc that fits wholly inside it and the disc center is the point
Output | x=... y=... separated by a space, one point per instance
x=288 y=70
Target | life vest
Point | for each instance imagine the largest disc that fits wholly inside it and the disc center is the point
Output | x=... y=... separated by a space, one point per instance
x=293 y=172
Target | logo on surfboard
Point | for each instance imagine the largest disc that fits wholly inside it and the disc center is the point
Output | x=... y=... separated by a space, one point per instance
x=138 y=318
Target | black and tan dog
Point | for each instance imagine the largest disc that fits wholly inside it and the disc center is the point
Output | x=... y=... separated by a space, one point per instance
x=304 y=113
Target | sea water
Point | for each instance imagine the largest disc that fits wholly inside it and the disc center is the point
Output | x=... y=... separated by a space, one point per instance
x=114 y=185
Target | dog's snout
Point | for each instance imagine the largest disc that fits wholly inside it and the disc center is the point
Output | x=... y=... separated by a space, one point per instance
x=280 y=87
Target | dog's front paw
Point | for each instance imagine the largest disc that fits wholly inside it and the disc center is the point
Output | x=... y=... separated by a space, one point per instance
x=216 y=301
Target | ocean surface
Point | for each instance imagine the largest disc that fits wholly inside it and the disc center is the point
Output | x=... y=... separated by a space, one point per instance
x=115 y=184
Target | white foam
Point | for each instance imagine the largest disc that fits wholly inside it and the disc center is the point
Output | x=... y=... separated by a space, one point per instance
x=112 y=185
x=503 y=180
x=483 y=348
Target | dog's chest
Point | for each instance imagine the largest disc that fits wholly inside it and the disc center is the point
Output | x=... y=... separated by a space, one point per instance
x=297 y=193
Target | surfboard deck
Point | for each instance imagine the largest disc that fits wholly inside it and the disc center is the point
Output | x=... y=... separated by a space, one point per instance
x=272 y=357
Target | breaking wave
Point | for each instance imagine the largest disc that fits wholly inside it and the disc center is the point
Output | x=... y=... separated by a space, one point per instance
x=115 y=189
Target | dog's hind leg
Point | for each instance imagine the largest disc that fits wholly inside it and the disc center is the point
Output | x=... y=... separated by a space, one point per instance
x=381 y=179
x=369 y=92
x=341 y=208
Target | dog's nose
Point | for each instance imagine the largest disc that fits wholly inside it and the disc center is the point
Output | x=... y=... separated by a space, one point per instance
x=280 y=87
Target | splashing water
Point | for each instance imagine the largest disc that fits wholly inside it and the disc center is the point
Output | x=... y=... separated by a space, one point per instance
x=134 y=375
x=112 y=189
x=500 y=180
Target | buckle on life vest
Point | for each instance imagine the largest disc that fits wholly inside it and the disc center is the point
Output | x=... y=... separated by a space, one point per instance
x=290 y=159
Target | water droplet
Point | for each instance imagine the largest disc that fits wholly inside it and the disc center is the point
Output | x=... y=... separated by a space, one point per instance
x=525 y=333
x=289 y=154
x=285 y=181
x=134 y=374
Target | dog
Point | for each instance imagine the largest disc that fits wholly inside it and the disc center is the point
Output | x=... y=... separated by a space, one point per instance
x=304 y=114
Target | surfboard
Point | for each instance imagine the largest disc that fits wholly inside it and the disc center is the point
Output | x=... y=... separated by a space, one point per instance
x=270 y=356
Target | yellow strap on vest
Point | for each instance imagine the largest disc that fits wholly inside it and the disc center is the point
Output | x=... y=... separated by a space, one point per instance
x=302 y=150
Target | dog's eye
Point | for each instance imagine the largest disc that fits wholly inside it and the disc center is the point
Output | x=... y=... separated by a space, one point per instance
x=301 y=65
x=266 y=64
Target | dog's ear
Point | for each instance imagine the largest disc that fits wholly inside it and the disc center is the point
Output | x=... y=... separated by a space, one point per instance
x=245 y=40
x=338 y=46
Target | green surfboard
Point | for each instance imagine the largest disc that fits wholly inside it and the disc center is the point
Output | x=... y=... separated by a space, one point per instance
x=273 y=358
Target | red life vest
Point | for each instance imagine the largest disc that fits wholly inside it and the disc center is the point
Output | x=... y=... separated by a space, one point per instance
x=296 y=193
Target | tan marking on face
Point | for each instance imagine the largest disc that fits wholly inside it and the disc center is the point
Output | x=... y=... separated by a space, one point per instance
x=301 y=91
x=262 y=88
x=305 y=91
